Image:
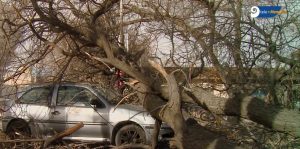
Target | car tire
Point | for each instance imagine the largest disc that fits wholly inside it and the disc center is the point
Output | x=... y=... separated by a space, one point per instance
x=18 y=129
x=130 y=134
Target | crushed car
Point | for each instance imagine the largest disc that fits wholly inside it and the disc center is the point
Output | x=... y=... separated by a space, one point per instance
x=44 y=110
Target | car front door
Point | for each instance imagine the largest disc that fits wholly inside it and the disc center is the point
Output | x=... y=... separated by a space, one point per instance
x=73 y=106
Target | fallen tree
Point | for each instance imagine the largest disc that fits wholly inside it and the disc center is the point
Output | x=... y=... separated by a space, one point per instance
x=274 y=117
x=171 y=113
x=89 y=32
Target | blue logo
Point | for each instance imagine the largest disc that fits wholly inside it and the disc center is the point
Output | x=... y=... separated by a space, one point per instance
x=266 y=11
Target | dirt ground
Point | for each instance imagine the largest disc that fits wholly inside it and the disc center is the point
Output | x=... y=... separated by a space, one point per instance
x=199 y=138
x=223 y=133
x=62 y=144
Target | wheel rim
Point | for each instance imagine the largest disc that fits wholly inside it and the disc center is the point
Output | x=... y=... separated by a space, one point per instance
x=131 y=136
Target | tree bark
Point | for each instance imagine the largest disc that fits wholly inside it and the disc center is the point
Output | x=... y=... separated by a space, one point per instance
x=198 y=137
x=274 y=117
x=155 y=134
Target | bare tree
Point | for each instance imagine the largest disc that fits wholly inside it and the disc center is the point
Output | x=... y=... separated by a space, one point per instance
x=216 y=32
x=7 y=41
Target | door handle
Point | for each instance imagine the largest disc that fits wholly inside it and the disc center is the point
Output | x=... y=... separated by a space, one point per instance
x=55 y=112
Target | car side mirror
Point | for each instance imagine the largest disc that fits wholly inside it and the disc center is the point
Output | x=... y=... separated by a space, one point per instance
x=96 y=103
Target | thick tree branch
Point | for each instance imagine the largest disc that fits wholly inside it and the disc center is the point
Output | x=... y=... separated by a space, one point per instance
x=105 y=6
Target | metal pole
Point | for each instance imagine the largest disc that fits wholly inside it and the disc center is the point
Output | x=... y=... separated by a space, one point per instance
x=121 y=24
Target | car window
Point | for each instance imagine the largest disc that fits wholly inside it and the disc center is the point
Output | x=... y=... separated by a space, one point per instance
x=75 y=96
x=38 y=95
x=110 y=95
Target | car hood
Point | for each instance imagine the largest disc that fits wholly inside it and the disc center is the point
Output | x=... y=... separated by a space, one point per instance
x=131 y=107
x=130 y=112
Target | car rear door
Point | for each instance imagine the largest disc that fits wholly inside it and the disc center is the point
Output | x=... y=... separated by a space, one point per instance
x=34 y=105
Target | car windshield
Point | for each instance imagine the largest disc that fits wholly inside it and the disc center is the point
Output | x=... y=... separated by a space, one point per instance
x=110 y=95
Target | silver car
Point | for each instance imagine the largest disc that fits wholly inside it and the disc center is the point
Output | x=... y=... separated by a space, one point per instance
x=42 y=111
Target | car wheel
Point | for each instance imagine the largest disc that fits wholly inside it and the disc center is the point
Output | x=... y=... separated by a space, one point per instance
x=18 y=129
x=130 y=134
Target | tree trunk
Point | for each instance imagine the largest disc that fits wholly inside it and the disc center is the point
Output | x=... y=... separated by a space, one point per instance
x=274 y=117
x=198 y=137
x=191 y=137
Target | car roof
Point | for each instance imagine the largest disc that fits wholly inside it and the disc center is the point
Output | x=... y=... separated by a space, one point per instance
x=31 y=86
x=60 y=83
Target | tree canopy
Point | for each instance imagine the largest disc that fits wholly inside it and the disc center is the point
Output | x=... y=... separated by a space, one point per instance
x=142 y=37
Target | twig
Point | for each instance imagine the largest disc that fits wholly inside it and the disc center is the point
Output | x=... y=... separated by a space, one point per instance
x=25 y=140
x=124 y=98
x=133 y=146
